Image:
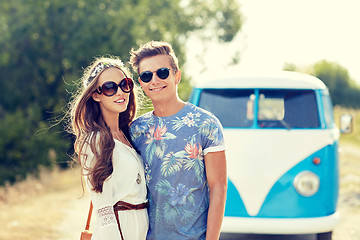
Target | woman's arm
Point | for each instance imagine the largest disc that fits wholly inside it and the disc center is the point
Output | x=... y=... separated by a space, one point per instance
x=106 y=224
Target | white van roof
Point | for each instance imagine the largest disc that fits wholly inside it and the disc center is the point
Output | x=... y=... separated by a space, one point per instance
x=282 y=80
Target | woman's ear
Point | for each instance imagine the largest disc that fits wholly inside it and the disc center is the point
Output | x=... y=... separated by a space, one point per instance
x=95 y=96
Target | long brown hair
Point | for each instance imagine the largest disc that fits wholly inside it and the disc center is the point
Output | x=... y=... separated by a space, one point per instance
x=89 y=127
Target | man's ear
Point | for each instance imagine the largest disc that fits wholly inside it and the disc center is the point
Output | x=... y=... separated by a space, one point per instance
x=178 y=76
x=95 y=96
x=141 y=82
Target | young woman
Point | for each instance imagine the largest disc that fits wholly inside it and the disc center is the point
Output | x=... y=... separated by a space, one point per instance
x=101 y=113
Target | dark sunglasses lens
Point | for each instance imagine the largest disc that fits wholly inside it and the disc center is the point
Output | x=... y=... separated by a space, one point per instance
x=162 y=73
x=109 y=88
x=126 y=85
x=146 y=76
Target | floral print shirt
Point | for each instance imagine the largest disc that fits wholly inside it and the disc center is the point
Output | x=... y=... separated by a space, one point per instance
x=173 y=150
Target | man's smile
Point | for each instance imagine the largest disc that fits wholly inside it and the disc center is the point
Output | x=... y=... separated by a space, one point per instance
x=157 y=89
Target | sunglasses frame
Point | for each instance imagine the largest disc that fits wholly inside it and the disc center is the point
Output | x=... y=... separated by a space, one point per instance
x=151 y=73
x=99 y=90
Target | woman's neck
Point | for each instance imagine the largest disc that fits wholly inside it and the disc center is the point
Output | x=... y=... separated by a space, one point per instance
x=112 y=122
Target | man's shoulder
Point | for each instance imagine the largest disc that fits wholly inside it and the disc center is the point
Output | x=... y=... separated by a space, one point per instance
x=204 y=113
x=140 y=125
x=143 y=118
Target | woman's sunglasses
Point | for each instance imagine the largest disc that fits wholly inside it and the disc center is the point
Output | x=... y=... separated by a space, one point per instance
x=110 y=88
x=162 y=73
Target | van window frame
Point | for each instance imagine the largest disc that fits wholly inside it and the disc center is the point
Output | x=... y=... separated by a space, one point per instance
x=196 y=96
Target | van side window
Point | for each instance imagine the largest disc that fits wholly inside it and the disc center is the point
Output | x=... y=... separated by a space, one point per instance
x=288 y=109
x=233 y=107
x=328 y=112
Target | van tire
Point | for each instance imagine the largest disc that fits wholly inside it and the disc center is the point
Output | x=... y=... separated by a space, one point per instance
x=324 y=236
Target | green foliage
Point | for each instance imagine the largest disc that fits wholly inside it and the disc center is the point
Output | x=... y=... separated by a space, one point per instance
x=22 y=150
x=46 y=44
x=343 y=89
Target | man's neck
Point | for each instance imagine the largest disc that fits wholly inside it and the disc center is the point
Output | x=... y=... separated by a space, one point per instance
x=168 y=108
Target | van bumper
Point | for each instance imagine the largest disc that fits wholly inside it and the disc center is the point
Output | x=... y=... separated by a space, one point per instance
x=280 y=225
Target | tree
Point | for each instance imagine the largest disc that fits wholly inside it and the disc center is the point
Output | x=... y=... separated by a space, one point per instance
x=45 y=45
x=342 y=88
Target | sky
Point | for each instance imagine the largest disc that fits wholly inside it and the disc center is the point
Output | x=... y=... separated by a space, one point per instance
x=275 y=32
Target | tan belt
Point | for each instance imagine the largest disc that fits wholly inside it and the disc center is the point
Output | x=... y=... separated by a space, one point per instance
x=123 y=206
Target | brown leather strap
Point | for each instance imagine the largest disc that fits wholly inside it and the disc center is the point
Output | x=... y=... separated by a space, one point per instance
x=123 y=206
x=118 y=222
x=119 y=206
x=87 y=227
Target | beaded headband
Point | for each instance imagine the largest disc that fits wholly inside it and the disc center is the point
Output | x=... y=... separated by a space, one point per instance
x=100 y=67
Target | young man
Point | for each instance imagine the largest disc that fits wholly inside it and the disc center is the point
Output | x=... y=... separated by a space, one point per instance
x=183 y=151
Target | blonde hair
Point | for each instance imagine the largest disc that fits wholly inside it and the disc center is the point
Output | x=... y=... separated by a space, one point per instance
x=89 y=127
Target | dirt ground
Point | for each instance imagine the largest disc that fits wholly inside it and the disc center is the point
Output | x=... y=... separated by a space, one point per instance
x=349 y=199
x=74 y=220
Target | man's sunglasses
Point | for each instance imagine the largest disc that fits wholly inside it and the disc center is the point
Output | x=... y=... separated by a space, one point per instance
x=162 y=73
x=110 y=88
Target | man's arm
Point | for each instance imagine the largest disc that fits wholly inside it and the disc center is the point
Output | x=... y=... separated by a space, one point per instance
x=215 y=166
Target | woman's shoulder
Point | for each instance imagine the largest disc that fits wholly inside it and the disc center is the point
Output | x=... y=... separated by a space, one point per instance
x=89 y=148
x=90 y=143
x=90 y=137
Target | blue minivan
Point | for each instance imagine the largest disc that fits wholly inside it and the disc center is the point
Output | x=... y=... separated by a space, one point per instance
x=282 y=152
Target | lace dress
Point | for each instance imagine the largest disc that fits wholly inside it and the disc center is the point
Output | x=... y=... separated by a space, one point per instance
x=122 y=185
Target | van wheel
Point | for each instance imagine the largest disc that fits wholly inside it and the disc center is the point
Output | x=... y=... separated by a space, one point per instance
x=324 y=236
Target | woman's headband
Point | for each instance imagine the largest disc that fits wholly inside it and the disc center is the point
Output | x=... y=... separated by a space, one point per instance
x=100 y=67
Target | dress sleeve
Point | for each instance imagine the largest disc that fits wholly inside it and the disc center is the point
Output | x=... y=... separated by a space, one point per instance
x=106 y=224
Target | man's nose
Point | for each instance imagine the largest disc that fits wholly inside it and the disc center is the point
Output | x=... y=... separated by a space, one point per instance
x=155 y=79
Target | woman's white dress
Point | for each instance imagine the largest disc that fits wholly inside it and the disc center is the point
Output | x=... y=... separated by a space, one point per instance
x=122 y=185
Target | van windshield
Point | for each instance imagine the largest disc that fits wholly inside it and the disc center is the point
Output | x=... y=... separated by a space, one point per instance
x=229 y=105
x=275 y=108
